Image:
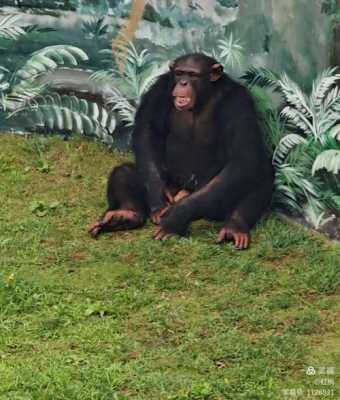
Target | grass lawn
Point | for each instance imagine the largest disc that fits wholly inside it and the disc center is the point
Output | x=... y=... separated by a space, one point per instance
x=125 y=317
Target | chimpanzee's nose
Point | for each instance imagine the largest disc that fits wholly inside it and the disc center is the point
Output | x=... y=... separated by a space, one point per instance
x=183 y=82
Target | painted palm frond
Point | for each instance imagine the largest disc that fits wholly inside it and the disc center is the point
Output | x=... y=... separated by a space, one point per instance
x=335 y=199
x=139 y=71
x=125 y=109
x=335 y=132
x=231 y=51
x=329 y=160
x=287 y=188
x=321 y=86
x=297 y=118
x=317 y=114
x=9 y=27
x=326 y=123
x=310 y=191
x=286 y=144
x=329 y=113
x=294 y=96
x=95 y=27
x=138 y=59
x=139 y=74
x=4 y=84
x=316 y=118
x=148 y=77
x=316 y=217
x=129 y=53
x=285 y=196
x=262 y=77
x=69 y=113
x=103 y=77
x=331 y=99
x=131 y=78
x=49 y=58
x=311 y=120
x=22 y=94
x=293 y=190
x=314 y=115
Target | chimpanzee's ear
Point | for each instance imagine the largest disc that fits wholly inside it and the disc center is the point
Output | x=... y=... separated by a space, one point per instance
x=171 y=65
x=216 y=72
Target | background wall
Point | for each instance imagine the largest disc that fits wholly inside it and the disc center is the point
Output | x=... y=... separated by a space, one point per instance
x=291 y=35
x=295 y=36
x=82 y=66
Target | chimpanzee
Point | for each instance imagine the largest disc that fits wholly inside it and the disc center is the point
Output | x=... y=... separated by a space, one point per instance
x=199 y=154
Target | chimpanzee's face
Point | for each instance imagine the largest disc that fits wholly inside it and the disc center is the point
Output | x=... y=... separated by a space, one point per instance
x=193 y=78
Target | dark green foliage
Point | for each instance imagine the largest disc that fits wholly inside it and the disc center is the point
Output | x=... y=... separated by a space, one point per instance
x=329 y=6
x=229 y=3
x=305 y=138
x=95 y=28
x=174 y=17
x=52 y=4
x=10 y=28
x=150 y=14
x=47 y=111
x=73 y=115
x=262 y=77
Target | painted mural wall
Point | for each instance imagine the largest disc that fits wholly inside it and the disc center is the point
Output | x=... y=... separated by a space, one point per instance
x=81 y=67
x=295 y=36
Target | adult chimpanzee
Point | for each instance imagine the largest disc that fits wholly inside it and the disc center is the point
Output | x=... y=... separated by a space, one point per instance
x=199 y=154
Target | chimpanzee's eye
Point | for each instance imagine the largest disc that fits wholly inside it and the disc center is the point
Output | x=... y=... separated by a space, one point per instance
x=179 y=73
x=193 y=74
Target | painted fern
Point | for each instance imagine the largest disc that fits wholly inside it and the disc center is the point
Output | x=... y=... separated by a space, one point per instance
x=286 y=144
x=49 y=58
x=328 y=160
x=71 y=114
x=312 y=121
x=127 y=87
x=10 y=28
x=262 y=77
x=230 y=51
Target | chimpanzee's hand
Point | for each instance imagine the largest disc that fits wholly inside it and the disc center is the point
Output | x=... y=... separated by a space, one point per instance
x=156 y=216
x=240 y=238
x=182 y=194
x=161 y=234
x=175 y=221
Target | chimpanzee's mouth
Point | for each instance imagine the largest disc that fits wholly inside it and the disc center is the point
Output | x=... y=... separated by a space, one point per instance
x=182 y=102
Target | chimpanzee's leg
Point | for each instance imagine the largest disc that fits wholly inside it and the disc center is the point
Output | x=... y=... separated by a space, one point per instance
x=127 y=207
x=245 y=215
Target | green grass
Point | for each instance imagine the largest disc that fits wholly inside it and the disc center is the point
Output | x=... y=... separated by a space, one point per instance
x=125 y=317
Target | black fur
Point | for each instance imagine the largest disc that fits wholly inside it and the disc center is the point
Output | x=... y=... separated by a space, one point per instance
x=215 y=151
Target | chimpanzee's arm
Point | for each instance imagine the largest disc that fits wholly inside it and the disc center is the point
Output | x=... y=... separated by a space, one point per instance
x=149 y=141
x=148 y=153
x=245 y=167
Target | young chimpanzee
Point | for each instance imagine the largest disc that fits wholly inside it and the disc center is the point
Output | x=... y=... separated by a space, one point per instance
x=199 y=154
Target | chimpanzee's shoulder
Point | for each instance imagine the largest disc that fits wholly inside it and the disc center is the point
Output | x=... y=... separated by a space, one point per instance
x=155 y=103
x=161 y=86
x=234 y=92
x=228 y=85
x=158 y=93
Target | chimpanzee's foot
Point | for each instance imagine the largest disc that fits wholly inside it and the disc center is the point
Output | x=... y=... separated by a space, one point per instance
x=116 y=220
x=161 y=234
x=156 y=216
x=95 y=229
x=241 y=239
